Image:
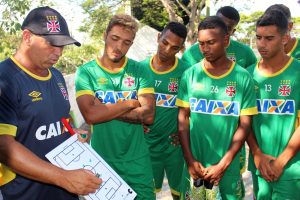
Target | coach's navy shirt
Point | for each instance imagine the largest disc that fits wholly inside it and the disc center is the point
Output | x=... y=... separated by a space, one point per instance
x=31 y=108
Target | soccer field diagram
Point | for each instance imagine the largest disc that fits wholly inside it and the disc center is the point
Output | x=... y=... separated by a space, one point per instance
x=73 y=154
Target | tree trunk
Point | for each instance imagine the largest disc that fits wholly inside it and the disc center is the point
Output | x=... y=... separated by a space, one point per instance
x=171 y=9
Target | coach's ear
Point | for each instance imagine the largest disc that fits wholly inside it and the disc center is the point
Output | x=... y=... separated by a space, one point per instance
x=227 y=40
x=104 y=36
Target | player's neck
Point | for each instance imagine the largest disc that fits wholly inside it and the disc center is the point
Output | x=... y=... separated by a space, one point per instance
x=290 y=44
x=109 y=64
x=217 y=67
x=274 y=64
x=24 y=60
x=161 y=66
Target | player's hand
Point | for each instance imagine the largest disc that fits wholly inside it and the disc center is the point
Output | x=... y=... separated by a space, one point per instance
x=195 y=169
x=174 y=139
x=146 y=129
x=83 y=135
x=214 y=173
x=277 y=168
x=80 y=182
x=262 y=163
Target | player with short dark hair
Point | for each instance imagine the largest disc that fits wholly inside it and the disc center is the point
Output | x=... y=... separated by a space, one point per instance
x=162 y=136
x=216 y=100
x=176 y=28
x=236 y=51
x=231 y=16
x=274 y=162
x=292 y=47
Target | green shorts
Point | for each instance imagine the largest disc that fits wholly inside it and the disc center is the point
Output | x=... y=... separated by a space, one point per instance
x=230 y=187
x=169 y=162
x=283 y=189
x=138 y=175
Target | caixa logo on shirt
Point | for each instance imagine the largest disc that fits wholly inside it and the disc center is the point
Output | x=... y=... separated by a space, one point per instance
x=215 y=107
x=276 y=106
x=112 y=97
x=48 y=131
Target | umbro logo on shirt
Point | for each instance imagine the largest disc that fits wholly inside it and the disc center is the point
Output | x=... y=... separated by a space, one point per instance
x=35 y=96
x=102 y=81
x=198 y=86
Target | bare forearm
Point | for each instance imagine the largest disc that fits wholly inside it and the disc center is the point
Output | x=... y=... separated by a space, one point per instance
x=292 y=148
x=252 y=143
x=95 y=112
x=25 y=163
x=184 y=134
x=143 y=114
x=137 y=116
x=237 y=142
x=185 y=145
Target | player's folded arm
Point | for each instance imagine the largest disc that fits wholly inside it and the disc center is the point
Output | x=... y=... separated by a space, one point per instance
x=143 y=114
x=94 y=111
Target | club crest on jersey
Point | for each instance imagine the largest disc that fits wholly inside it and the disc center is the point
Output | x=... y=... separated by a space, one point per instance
x=230 y=91
x=53 y=25
x=215 y=107
x=276 y=106
x=173 y=86
x=284 y=90
x=63 y=91
x=129 y=81
x=35 y=96
x=231 y=57
x=165 y=100
x=112 y=97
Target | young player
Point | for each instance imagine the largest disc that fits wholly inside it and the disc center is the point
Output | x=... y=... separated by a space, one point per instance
x=277 y=82
x=292 y=47
x=236 y=51
x=116 y=95
x=162 y=138
x=216 y=100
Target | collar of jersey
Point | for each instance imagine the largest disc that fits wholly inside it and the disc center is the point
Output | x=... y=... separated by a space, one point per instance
x=217 y=77
x=110 y=71
x=294 y=47
x=163 y=72
x=277 y=73
x=41 y=78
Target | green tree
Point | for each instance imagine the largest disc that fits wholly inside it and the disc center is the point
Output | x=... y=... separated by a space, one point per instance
x=296 y=29
x=191 y=9
x=246 y=27
x=14 y=10
x=73 y=57
x=98 y=14
x=150 y=12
